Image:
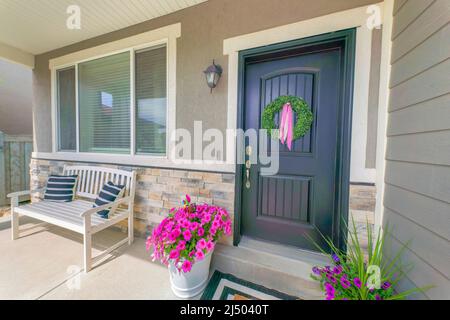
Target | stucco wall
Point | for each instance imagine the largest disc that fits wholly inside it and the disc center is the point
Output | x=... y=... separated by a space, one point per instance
x=417 y=190
x=203 y=29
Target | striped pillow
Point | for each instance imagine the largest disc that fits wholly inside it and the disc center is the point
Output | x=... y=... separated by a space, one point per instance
x=109 y=193
x=60 y=188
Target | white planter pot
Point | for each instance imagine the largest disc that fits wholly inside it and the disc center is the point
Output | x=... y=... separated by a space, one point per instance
x=188 y=285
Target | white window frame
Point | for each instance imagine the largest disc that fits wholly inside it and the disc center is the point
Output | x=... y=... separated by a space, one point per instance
x=165 y=36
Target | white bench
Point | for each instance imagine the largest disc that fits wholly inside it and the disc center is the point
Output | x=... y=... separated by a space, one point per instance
x=79 y=215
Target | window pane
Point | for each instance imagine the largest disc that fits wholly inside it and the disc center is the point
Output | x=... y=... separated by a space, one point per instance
x=66 y=110
x=104 y=103
x=151 y=101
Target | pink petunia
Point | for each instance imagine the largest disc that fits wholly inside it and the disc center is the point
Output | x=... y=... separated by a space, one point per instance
x=185 y=223
x=187 y=235
x=201 y=244
x=199 y=255
x=174 y=254
x=188 y=198
x=186 y=266
x=181 y=245
x=175 y=233
x=209 y=245
x=200 y=232
x=193 y=226
x=168 y=227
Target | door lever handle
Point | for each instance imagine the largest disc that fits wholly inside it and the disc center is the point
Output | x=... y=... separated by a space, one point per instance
x=248 y=165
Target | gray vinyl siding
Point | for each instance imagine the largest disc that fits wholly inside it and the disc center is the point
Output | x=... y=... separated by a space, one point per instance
x=417 y=178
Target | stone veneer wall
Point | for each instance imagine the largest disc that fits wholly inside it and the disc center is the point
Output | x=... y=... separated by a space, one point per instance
x=362 y=210
x=157 y=190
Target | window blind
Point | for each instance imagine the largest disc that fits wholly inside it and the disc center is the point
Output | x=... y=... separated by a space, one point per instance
x=151 y=100
x=66 y=110
x=104 y=104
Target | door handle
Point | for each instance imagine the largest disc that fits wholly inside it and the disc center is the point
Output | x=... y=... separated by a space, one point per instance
x=248 y=165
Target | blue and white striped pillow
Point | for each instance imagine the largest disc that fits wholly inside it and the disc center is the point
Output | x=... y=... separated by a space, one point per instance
x=109 y=193
x=60 y=188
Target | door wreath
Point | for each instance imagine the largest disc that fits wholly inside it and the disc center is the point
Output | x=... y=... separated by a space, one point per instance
x=287 y=104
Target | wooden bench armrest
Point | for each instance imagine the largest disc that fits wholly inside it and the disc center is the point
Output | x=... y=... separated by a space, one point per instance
x=89 y=212
x=23 y=193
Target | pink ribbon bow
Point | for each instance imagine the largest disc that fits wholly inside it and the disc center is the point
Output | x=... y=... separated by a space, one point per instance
x=286 y=125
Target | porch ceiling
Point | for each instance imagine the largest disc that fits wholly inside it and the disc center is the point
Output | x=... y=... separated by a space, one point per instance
x=37 y=26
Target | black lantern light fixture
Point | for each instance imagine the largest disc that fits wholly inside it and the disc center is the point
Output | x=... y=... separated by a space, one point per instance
x=212 y=74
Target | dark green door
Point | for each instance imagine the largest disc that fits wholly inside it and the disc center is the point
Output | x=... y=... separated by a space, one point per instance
x=302 y=198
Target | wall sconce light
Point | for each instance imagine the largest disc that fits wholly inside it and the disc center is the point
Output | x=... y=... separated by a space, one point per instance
x=212 y=74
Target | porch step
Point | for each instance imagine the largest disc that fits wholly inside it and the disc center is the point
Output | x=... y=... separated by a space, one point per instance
x=271 y=265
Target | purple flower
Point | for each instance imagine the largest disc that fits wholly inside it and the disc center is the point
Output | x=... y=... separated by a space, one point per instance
x=329 y=297
x=386 y=285
x=357 y=282
x=345 y=283
x=331 y=278
x=329 y=288
x=377 y=297
x=316 y=270
x=337 y=270
x=335 y=258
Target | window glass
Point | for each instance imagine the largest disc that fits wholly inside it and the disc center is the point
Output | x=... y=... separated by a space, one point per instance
x=66 y=110
x=104 y=104
x=151 y=101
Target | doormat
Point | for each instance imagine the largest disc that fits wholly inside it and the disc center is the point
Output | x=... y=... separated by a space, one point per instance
x=224 y=286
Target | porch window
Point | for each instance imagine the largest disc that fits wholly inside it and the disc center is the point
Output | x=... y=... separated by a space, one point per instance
x=116 y=104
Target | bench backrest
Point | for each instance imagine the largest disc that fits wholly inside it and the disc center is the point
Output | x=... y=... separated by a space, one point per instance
x=91 y=179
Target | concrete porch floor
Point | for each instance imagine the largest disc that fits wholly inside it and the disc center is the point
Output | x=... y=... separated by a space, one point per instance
x=46 y=263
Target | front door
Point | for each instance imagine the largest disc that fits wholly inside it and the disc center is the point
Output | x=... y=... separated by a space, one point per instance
x=305 y=196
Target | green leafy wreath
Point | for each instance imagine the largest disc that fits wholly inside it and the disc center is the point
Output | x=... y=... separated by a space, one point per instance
x=299 y=106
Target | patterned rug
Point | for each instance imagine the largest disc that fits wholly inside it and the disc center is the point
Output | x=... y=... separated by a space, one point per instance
x=224 y=286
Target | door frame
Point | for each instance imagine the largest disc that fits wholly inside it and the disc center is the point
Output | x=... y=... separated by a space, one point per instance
x=348 y=36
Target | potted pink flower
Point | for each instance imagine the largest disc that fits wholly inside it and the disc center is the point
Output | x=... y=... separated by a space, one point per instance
x=185 y=241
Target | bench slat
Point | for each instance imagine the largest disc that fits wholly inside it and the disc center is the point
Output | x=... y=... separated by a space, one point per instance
x=68 y=212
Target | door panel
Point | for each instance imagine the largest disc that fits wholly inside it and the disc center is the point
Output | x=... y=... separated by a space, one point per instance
x=285 y=197
x=300 y=199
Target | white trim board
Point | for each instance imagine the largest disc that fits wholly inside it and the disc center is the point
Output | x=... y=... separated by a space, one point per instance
x=358 y=170
x=135 y=160
x=353 y=18
x=383 y=107
x=171 y=31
